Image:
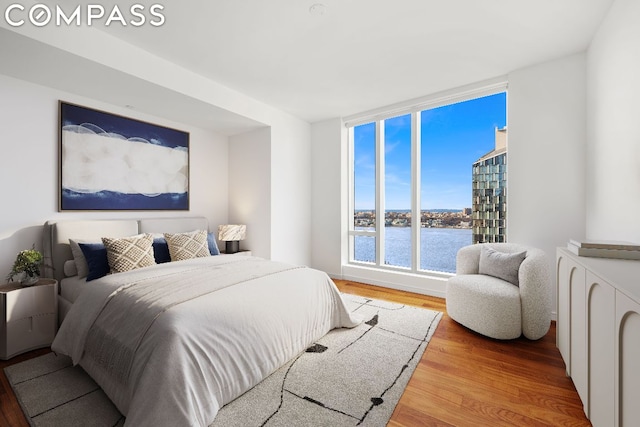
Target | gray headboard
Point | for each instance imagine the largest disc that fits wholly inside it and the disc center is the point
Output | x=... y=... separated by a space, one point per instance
x=56 y=235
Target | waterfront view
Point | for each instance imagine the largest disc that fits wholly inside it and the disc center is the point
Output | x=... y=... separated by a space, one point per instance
x=442 y=234
x=451 y=162
x=439 y=218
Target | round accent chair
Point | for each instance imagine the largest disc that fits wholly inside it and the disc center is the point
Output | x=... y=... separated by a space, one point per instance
x=501 y=290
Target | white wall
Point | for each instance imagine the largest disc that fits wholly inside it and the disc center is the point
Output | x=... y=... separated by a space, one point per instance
x=269 y=190
x=29 y=166
x=290 y=190
x=613 y=126
x=250 y=188
x=546 y=155
x=151 y=79
x=546 y=121
x=329 y=203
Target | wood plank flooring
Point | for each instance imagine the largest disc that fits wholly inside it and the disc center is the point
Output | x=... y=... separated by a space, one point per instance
x=466 y=379
x=463 y=379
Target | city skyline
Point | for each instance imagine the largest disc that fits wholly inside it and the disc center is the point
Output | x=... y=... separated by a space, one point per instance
x=453 y=138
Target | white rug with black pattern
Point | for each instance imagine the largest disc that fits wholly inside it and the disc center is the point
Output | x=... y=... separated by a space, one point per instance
x=349 y=377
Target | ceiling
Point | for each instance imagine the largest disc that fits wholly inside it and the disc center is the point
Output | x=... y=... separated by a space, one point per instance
x=362 y=54
x=357 y=56
x=27 y=59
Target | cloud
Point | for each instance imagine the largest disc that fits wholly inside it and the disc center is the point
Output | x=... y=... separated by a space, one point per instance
x=390 y=146
x=365 y=161
x=392 y=179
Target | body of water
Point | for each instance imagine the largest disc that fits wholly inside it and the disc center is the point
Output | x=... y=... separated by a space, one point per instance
x=438 y=247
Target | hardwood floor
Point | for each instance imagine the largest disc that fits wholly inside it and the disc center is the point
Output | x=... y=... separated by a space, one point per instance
x=466 y=379
x=463 y=379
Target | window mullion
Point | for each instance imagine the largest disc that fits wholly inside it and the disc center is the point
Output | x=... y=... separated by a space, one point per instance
x=380 y=214
x=416 y=214
x=352 y=195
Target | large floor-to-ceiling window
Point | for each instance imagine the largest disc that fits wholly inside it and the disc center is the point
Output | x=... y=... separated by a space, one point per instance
x=428 y=181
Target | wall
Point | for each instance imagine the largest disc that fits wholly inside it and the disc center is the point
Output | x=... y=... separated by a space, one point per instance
x=546 y=122
x=613 y=126
x=329 y=204
x=290 y=191
x=153 y=80
x=29 y=166
x=269 y=190
x=250 y=188
x=546 y=155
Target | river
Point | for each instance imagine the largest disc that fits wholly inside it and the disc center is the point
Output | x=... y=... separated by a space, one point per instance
x=438 y=247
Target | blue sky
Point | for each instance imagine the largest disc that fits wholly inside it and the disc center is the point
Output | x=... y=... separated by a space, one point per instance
x=453 y=138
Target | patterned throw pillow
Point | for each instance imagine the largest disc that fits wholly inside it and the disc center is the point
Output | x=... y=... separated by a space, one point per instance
x=129 y=253
x=188 y=245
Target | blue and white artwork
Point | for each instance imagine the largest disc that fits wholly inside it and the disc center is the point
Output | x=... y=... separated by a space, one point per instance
x=110 y=162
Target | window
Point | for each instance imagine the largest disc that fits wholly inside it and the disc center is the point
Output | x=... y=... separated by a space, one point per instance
x=364 y=190
x=428 y=182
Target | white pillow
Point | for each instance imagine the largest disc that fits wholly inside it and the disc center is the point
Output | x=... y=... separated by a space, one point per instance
x=70 y=268
x=78 y=256
x=502 y=265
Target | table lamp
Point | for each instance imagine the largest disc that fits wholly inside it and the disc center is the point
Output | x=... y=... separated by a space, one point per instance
x=231 y=234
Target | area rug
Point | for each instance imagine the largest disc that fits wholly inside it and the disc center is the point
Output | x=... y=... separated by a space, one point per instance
x=349 y=377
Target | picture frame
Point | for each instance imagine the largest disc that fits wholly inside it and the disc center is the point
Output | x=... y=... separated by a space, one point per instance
x=109 y=162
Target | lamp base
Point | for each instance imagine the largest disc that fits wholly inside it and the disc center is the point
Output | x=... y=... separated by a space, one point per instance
x=232 y=246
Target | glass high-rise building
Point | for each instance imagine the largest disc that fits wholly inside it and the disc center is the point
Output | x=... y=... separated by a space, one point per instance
x=489 y=193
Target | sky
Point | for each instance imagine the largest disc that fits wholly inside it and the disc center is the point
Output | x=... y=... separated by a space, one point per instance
x=453 y=137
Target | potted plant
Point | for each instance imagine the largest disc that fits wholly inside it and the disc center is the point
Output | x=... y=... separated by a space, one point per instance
x=27 y=262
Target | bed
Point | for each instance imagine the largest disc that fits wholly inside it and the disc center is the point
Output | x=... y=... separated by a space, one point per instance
x=172 y=343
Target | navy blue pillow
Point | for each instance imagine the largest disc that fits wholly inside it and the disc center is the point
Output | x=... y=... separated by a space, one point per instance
x=213 y=246
x=96 y=256
x=161 y=250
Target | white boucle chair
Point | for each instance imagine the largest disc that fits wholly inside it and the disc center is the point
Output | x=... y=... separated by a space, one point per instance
x=494 y=307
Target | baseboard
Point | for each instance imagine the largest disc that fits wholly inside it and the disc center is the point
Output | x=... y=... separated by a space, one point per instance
x=397 y=286
x=435 y=287
x=408 y=282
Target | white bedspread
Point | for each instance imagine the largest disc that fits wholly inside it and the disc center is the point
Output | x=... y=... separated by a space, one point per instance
x=230 y=323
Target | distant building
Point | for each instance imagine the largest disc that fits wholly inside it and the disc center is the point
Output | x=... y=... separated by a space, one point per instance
x=489 y=204
x=467 y=211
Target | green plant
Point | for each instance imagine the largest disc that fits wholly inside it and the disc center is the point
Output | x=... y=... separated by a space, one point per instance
x=28 y=262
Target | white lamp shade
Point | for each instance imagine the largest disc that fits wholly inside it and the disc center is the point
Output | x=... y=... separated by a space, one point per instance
x=231 y=232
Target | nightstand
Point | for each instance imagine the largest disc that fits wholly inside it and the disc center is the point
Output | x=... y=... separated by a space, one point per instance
x=28 y=316
x=242 y=252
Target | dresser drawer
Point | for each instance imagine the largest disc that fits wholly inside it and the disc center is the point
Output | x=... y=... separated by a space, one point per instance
x=29 y=333
x=28 y=316
x=28 y=302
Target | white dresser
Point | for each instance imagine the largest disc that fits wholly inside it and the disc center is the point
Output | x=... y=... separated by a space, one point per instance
x=28 y=316
x=598 y=334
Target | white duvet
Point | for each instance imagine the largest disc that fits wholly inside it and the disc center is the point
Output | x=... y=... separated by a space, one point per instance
x=171 y=344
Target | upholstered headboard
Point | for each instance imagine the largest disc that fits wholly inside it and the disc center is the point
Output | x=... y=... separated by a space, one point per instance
x=172 y=225
x=56 y=235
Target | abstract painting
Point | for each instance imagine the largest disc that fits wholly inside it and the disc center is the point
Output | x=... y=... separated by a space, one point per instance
x=110 y=162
